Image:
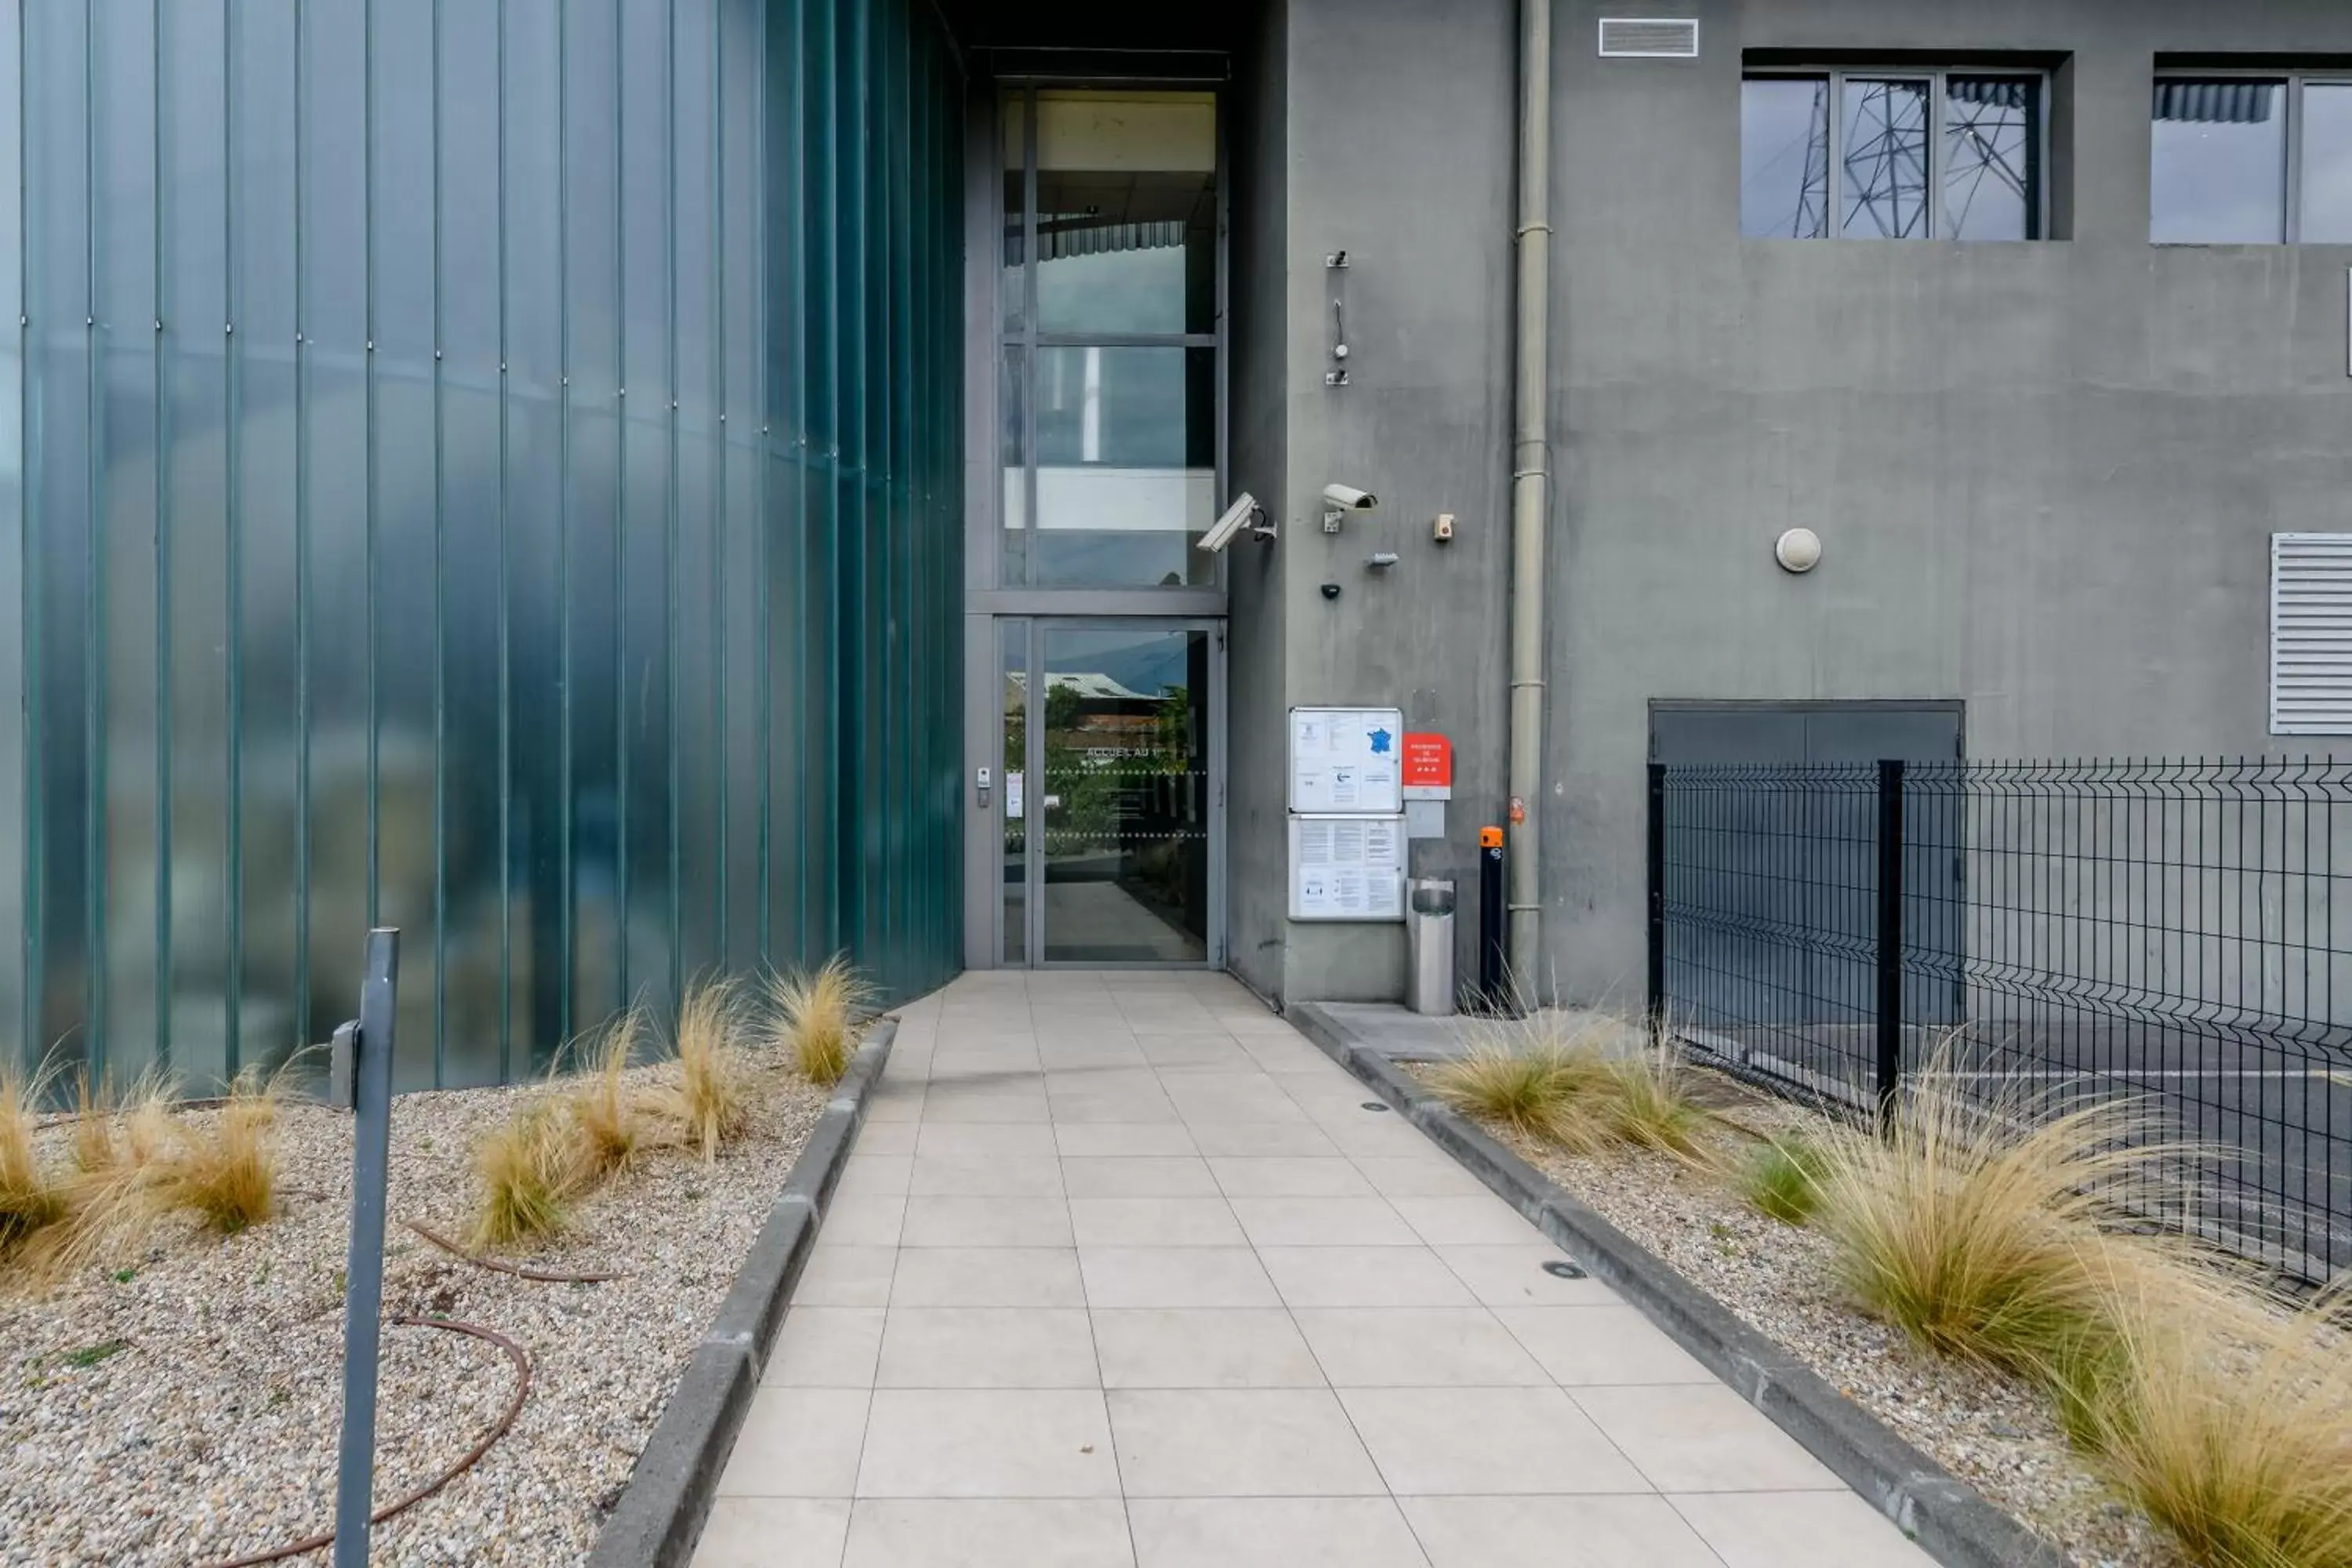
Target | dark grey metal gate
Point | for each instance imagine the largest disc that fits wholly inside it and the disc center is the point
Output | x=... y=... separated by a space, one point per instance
x=1792 y=873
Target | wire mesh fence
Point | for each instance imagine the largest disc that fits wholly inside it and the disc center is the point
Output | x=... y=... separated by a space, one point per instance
x=2178 y=935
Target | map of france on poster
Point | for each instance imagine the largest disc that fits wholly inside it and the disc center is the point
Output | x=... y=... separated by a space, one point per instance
x=1346 y=760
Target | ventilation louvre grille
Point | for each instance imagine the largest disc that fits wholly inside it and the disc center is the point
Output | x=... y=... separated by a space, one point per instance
x=2311 y=633
x=1650 y=38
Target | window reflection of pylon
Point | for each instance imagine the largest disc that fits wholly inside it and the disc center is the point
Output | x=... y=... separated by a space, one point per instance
x=1814 y=195
x=1885 y=160
x=1986 y=137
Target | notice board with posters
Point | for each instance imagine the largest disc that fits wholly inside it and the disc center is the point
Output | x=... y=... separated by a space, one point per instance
x=1346 y=814
x=1346 y=760
x=1346 y=867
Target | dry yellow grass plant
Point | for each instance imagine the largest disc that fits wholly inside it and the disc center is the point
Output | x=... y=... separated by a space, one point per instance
x=530 y=1170
x=1781 y=1179
x=1557 y=1081
x=711 y=1099
x=1653 y=1103
x=135 y=1160
x=609 y=1121
x=1980 y=1224
x=1549 y=1089
x=96 y=1106
x=115 y=1128
x=2231 y=1428
x=32 y=1197
x=227 y=1170
x=815 y=1016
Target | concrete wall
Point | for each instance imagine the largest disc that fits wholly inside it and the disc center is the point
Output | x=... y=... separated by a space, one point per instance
x=2045 y=474
x=1397 y=149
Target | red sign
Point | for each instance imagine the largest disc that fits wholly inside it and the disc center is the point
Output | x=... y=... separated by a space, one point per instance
x=1428 y=762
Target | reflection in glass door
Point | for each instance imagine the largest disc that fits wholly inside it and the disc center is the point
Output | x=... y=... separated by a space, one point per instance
x=1124 y=796
x=1013 y=666
x=1109 y=798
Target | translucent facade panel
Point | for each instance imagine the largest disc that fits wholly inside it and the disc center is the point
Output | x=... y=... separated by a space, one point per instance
x=440 y=418
x=15 y=708
x=188 y=990
x=61 y=532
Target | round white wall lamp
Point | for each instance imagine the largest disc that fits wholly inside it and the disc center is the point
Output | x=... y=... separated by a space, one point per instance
x=1799 y=550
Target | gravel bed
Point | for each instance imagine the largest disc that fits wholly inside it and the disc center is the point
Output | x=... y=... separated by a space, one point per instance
x=1992 y=1430
x=183 y=1409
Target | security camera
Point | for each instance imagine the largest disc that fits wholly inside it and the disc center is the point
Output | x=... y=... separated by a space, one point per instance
x=1244 y=512
x=1338 y=500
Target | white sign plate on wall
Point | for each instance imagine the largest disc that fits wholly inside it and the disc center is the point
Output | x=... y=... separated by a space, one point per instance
x=1345 y=760
x=1346 y=867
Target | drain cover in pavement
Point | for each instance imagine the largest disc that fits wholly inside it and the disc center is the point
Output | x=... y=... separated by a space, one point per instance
x=1561 y=1269
x=1375 y=1105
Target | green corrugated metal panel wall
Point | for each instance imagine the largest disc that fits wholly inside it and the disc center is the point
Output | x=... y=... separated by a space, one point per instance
x=489 y=467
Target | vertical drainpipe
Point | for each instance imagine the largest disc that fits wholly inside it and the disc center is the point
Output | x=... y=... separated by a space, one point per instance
x=1530 y=489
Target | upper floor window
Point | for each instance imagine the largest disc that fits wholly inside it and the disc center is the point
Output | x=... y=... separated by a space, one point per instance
x=2250 y=160
x=1891 y=154
x=1110 y=373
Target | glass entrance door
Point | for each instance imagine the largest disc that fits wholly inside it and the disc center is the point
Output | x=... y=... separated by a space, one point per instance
x=1110 y=810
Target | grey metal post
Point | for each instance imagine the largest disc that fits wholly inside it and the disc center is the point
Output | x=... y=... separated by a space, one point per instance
x=1890 y=939
x=1655 y=990
x=371 y=1081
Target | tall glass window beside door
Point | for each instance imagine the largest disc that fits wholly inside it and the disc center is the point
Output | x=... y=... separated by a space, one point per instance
x=1110 y=367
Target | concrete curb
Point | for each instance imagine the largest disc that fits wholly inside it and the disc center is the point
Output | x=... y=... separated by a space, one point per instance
x=659 y=1517
x=1949 y=1519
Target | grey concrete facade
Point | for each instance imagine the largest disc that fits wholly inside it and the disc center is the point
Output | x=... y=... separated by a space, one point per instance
x=1395 y=144
x=2044 y=473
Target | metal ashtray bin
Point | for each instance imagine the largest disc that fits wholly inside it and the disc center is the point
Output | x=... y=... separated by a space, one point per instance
x=1429 y=940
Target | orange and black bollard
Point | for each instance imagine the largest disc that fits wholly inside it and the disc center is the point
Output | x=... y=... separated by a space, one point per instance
x=1492 y=993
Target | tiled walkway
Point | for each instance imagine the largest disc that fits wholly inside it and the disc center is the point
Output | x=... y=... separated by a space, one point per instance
x=1122 y=1272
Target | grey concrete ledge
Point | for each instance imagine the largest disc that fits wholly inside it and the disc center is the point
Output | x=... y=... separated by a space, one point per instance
x=660 y=1515
x=1951 y=1520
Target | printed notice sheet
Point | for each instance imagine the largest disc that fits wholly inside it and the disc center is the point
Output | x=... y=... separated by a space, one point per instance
x=1346 y=867
x=1345 y=760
